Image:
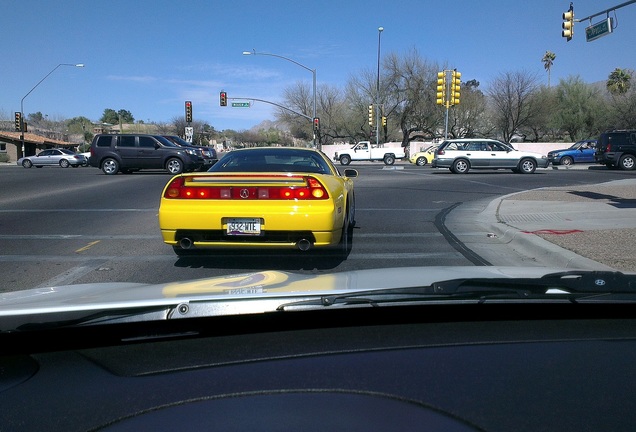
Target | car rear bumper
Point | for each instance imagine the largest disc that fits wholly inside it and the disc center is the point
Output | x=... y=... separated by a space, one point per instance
x=205 y=224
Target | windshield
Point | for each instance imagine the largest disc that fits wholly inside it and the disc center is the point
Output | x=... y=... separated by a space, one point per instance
x=318 y=216
x=315 y=172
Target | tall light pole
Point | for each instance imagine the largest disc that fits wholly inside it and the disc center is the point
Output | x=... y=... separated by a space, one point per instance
x=39 y=82
x=313 y=72
x=377 y=94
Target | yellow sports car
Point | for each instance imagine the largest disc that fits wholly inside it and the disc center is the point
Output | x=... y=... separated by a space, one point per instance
x=423 y=157
x=267 y=197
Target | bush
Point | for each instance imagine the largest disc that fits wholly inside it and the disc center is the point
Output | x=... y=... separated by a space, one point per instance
x=4 y=157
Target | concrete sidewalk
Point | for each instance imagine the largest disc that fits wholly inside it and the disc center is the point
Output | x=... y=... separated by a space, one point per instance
x=588 y=227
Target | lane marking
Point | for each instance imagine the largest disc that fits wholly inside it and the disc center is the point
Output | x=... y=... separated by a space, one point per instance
x=87 y=247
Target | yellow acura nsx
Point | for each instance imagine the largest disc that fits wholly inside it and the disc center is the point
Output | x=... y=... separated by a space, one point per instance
x=265 y=197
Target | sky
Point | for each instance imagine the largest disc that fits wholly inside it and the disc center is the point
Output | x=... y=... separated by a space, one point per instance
x=149 y=57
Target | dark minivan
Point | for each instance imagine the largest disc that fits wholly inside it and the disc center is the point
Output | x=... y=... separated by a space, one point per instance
x=133 y=152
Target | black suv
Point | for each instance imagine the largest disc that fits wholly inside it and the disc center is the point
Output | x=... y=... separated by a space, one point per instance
x=208 y=153
x=133 y=152
x=617 y=149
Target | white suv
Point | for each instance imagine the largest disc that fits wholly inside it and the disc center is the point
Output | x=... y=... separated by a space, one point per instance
x=460 y=155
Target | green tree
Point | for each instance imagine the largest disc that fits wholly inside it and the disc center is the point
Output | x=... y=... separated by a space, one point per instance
x=115 y=117
x=577 y=108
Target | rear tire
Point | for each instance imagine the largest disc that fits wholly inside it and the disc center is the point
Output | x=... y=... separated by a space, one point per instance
x=110 y=166
x=64 y=163
x=627 y=162
x=389 y=160
x=27 y=163
x=345 y=160
x=460 y=166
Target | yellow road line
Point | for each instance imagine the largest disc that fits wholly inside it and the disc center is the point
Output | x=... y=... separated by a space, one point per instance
x=88 y=246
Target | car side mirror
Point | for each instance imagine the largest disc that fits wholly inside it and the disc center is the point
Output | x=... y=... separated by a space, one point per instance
x=350 y=172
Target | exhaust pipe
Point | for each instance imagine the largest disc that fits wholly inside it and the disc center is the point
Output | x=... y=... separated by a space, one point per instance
x=186 y=243
x=303 y=245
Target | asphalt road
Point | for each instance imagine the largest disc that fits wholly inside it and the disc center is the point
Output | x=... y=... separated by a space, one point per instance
x=68 y=226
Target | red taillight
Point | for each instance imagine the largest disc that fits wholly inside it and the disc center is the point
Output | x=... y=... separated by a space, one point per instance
x=311 y=189
x=440 y=152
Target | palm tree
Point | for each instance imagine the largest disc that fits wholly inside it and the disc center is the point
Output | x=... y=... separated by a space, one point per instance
x=619 y=81
x=548 y=60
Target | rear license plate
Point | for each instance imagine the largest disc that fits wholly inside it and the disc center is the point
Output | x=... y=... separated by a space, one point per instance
x=244 y=226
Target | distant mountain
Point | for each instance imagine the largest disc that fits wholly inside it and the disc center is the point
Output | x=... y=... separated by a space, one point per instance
x=269 y=124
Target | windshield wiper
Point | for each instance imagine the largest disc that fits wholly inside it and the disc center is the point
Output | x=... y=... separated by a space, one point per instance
x=568 y=285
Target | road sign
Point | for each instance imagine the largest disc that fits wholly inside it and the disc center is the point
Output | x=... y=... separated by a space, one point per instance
x=598 y=30
x=241 y=104
x=189 y=133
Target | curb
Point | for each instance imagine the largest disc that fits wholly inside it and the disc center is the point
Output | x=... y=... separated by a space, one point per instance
x=477 y=226
x=544 y=252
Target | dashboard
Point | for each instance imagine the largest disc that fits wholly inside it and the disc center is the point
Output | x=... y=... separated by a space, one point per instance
x=490 y=367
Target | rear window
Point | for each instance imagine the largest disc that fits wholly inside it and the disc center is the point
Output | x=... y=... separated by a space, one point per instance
x=616 y=138
x=103 y=141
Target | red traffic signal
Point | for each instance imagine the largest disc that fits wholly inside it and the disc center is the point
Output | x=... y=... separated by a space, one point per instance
x=188 y=111
x=223 y=98
x=316 y=124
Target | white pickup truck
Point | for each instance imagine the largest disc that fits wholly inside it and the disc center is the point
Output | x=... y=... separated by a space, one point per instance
x=365 y=151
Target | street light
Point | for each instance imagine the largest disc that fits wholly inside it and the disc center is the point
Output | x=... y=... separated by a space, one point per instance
x=377 y=93
x=313 y=72
x=39 y=82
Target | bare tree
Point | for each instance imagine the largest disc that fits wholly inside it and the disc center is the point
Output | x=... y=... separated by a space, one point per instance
x=408 y=94
x=511 y=97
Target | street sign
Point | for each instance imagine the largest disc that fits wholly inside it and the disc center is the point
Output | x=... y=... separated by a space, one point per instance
x=241 y=104
x=189 y=133
x=598 y=30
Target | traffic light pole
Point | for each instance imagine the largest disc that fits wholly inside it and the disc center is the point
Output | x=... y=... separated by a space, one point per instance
x=448 y=92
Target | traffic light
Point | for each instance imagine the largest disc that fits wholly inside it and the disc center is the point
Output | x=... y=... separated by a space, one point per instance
x=316 y=124
x=18 y=121
x=188 y=111
x=455 y=87
x=568 y=23
x=441 y=88
x=371 y=116
x=223 y=98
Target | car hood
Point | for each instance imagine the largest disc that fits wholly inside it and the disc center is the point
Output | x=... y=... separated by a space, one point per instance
x=256 y=285
x=562 y=150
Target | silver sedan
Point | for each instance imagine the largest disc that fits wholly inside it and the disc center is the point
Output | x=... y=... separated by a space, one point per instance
x=53 y=157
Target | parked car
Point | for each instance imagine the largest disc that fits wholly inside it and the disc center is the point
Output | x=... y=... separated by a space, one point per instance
x=617 y=149
x=421 y=158
x=461 y=155
x=53 y=157
x=280 y=198
x=133 y=152
x=208 y=153
x=579 y=152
